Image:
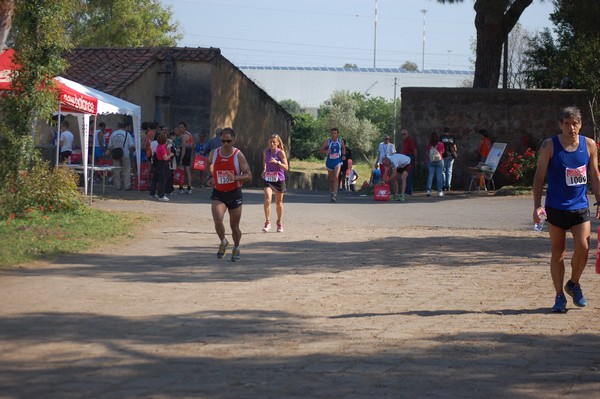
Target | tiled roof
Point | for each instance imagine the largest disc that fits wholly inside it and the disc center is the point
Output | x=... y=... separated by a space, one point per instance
x=111 y=70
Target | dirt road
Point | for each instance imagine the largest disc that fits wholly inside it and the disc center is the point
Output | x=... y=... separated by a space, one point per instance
x=434 y=297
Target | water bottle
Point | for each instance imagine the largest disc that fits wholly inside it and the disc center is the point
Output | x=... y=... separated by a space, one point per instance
x=540 y=225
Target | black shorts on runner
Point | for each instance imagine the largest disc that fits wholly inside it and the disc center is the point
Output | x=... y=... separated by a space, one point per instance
x=567 y=219
x=277 y=186
x=187 y=158
x=231 y=199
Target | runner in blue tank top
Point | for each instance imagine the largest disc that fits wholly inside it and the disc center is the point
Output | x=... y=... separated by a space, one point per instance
x=333 y=148
x=568 y=160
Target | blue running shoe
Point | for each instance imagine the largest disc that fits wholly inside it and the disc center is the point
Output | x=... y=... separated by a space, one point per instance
x=560 y=305
x=574 y=290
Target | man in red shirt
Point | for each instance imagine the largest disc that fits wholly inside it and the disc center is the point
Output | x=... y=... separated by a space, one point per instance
x=229 y=169
x=409 y=147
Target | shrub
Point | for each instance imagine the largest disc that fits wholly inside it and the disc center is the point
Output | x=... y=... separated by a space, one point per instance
x=520 y=168
x=40 y=189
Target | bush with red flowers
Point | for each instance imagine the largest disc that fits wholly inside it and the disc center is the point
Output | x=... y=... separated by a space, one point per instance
x=519 y=169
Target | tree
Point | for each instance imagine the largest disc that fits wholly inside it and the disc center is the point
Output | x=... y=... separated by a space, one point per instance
x=518 y=45
x=38 y=47
x=123 y=23
x=291 y=106
x=571 y=60
x=350 y=66
x=7 y=8
x=341 y=112
x=307 y=136
x=410 y=66
x=376 y=110
x=494 y=19
x=118 y=23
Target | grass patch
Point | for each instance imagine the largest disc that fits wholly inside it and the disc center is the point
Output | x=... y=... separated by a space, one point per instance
x=318 y=166
x=514 y=190
x=39 y=235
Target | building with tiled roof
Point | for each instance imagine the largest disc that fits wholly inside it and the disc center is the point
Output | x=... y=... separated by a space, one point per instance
x=195 y=85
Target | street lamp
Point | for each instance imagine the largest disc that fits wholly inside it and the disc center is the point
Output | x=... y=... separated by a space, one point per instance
x=423 y=54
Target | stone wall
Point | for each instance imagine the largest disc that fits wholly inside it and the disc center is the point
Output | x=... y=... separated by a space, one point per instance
x=521 y=118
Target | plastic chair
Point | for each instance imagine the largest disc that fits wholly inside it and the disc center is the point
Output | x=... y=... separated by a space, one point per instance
x=483 y=174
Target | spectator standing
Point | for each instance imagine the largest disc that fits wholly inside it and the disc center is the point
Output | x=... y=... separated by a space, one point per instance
x=346 y=156
x=385 y=149
x=66 y=141
x=274 y=167
x=409 y=148
x=151 y=136
x=121 y=139
x=450 y=154
x=163 y=157
x=565 y=160
x=333 y=148
x=486 y=145
x=215 y=142
x=435 y=165
x=100 y=146
x=186 y=155
x=229 y=169
x=201 y=150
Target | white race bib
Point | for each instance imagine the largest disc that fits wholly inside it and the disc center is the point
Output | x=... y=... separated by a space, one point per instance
x=576 y=176
x=334 y=156
x=272 y=176
x=224 y=176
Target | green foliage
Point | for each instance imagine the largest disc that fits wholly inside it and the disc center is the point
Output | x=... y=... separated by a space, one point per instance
x=291 y=106
x=307 y=137
x=362 y=121
x=40 y=40
x=39 y=189
x=377 y=110
x=123 y=23
x=571 y=60
x=343 y=111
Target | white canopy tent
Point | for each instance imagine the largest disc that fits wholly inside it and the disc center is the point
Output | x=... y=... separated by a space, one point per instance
x=107 y=105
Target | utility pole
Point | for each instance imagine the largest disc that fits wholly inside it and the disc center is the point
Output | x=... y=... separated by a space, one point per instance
x=394 y=122
x=423 y=53
x=375 y=39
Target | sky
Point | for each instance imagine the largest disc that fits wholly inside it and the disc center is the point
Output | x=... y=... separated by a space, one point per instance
x=333 y=33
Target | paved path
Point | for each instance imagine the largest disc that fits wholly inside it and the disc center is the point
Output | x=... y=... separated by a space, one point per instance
x=435 y=297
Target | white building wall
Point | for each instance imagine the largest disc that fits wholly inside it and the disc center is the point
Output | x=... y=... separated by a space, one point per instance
x=311 y=86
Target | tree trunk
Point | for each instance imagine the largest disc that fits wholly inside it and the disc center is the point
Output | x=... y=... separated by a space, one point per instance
x=7 y=7
x=494 y=19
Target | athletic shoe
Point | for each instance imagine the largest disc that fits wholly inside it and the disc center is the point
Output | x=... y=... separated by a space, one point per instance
x=560 y=304
x=267 y=226
x=180 y=190
x=189 y=190
x=429 y=193
x=222 y=249
x=441 y=194
x=279 y=227
x=156 y=196
x=334 y=197
x=235 y=255
x=163 y=199
x=574 y=290
x=395 y=197
x=401 y=198
x=173 y=192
